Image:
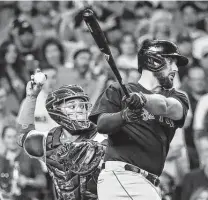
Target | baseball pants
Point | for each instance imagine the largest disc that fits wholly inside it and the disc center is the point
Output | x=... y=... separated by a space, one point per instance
x=115 y=183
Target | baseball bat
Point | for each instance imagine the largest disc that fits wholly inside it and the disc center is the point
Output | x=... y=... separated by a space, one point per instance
x=101 y=41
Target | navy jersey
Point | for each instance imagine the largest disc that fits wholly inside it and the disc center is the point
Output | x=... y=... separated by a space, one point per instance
x=144 y=143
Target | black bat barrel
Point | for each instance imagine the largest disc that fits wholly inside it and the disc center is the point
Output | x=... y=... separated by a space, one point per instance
x=88 y=13
x=101 y=41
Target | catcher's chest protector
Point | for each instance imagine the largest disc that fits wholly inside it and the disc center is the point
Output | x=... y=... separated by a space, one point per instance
x=68 y=185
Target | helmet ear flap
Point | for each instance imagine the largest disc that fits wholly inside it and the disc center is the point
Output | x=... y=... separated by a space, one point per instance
x=151 y=61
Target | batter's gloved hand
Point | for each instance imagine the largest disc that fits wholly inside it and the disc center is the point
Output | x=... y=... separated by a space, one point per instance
x=136 y=101
x=131 y=116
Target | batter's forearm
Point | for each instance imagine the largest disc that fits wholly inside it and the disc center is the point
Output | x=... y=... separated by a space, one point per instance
x=26 y=119
x=156 y=104
x=109 y=122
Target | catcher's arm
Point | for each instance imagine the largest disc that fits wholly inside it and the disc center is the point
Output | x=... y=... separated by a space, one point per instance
x=30 y=139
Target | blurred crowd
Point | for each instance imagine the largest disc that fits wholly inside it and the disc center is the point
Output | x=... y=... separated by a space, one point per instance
x=52 y=36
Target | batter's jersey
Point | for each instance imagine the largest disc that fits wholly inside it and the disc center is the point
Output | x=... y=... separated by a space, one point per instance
x=144 y=143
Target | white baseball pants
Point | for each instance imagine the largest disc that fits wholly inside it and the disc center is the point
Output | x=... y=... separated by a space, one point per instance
x=115 y=183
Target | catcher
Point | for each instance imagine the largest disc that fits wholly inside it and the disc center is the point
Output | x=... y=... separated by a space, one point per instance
x=69 y=152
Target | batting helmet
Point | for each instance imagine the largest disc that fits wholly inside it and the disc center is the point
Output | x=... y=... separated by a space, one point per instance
x=65 y=119
x=152 y=52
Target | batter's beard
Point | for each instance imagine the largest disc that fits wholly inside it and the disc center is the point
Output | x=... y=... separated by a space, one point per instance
x=164 y=81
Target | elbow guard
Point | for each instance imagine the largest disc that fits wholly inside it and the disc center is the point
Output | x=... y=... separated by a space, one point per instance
x=35 y=144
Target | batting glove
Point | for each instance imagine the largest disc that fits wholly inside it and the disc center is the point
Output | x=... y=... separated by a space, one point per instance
x=136 y=101
x=131 y=116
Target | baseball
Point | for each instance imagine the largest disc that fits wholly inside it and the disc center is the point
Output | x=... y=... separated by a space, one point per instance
x=39 y=78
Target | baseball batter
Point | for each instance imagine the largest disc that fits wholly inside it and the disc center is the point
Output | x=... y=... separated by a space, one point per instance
x=140 y=128
x=69 y=152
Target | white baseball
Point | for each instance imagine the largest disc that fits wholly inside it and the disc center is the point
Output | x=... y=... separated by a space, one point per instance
x=39 y=78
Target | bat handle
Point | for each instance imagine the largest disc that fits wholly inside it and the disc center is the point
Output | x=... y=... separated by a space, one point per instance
x=125 y=90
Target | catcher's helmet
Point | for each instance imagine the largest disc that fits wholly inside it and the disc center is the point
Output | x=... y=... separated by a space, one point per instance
x=65 y=119
x=151 y=54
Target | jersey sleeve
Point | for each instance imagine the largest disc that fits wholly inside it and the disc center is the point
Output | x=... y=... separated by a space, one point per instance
x=109 y=101
x=183 y=99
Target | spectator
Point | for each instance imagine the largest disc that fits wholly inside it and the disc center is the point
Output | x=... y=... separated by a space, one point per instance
x=44 y=22
x=26 y=38
x=129 y=75
x=177 y=163
x=190 y=13
x=25 y=10
x=6 y=15
x=81 y=74
x=107 y=19
x=161 y=25
x=128 y=20
x=25 y=178
x=203 y=24
x=204 y=61
x=198 y=177
x=185 y=46
x=124 y=74
x=143 y=10
x=170 y=6
x=109 y=22
x=167 y=186
x=196 y=87
x=6 y=117
x=13 y=73
x=133 y=75
x=53 y=53
x=142 y=32
x=162 y=32
x=200 y=116
x=199 y=45
x=99 y=66
x=200 y=194
x=65 y=24
x=128 y=57
x=26 y=43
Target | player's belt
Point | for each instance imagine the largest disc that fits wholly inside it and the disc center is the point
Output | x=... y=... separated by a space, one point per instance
x=149 y=176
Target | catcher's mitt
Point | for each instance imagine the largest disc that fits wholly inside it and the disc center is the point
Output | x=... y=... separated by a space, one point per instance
x=81 y=158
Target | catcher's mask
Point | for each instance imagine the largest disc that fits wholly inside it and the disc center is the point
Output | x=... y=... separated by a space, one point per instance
x=69 y=107
x=152 y=53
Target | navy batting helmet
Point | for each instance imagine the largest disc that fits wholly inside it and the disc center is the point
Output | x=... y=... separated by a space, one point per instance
x=70 y=120
x=152 y=52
